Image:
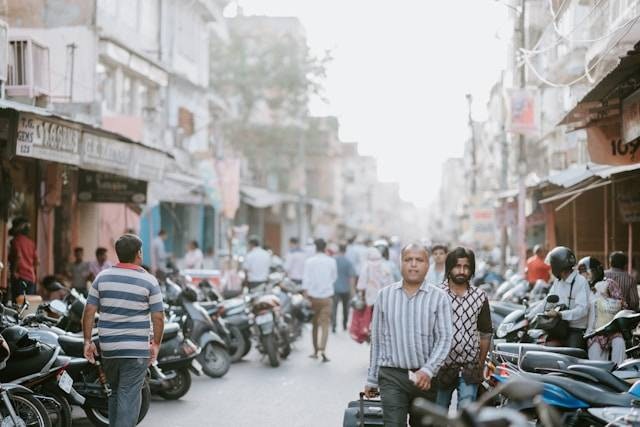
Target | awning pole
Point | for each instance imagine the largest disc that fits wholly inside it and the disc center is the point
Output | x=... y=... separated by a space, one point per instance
x=575 y=229
x=606 y=226
x=614 y=217
x=630 y=264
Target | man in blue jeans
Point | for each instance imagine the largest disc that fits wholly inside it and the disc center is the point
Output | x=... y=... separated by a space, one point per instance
x=126 y=297
x=462 y=370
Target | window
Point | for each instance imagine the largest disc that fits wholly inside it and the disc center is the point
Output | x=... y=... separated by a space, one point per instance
x=127 y=95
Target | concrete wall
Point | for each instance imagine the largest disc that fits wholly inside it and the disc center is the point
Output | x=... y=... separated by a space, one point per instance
x=50 y=13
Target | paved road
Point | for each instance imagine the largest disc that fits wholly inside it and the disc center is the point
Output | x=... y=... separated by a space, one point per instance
x=301 y=392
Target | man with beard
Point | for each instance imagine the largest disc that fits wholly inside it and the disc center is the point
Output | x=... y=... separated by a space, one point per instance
x=462 y=370
x=411 y=334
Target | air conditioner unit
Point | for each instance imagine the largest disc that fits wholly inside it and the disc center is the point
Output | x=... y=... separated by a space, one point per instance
x=28 y=68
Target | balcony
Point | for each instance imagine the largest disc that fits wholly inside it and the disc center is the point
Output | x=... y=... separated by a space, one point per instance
x=27 y=68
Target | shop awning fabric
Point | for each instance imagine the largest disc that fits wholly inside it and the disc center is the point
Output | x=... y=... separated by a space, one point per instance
x=259 y=197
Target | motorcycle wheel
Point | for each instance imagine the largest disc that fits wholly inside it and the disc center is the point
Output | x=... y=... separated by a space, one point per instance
x=247 y=343
x=238 y=344
x=100 y=418
x=180 y=385
x=28 y=409
x=215 y=360
x=64 y=415
x=271 y=348
x=285 y=344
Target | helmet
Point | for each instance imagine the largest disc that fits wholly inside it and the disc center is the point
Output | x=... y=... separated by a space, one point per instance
x=18 y=340
x=560 y=259
x=189 y=294
x=357 y=303
x=591 y=265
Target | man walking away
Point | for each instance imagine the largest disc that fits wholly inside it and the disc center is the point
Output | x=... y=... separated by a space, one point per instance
x=537 y=269
x=573 y=291
x=159 y=254
x=619 y=262
x=124 y=295
x=436 y=275
x=294 y=262
x=23 y=260
x=410 y=338
x=462 y=369
x=343 y=287
x=320 y=273
x=257 y=264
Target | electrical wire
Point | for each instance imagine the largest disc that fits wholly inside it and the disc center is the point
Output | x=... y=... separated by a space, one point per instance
x=527 y=61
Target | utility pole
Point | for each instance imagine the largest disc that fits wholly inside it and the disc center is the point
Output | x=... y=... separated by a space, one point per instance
x=522 y=164
x=473 y=147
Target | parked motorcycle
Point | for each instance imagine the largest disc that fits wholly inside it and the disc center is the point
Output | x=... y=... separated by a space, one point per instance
x=268 y=327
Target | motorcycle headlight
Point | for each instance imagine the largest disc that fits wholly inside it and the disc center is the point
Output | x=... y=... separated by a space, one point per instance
x=504 y=329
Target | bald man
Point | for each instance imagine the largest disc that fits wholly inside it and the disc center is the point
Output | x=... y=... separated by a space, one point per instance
x=411 y=335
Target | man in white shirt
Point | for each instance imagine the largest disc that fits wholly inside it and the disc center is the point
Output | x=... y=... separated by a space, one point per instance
x=572 y=290
x=159 y=255
x=294 y=263
x=257 y=264
x=435 y=276
x=320 y=273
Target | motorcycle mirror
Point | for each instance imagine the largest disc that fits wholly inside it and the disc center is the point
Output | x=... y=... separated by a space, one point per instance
x=553 y=299
x=58 y=307
x=525 y=302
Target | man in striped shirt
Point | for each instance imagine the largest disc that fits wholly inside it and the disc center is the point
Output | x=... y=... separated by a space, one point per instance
x=411 y=334
x=125 y=295
x=619 y=263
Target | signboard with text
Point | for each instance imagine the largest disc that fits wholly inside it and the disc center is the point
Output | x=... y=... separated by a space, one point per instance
x=629 y=204
x=47 y=139
x=108 y=188
x=524 y=112
x=631 y=117
x=105 y=154
x=606 y=146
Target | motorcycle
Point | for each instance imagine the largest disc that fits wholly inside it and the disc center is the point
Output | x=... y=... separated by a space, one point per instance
x=268 y=327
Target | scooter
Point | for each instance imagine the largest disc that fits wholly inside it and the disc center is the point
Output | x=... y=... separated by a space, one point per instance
x=268 y=328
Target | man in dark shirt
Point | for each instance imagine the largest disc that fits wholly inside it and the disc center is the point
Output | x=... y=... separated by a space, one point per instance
x=619 y=262
x=462 y=369
x=343 y=287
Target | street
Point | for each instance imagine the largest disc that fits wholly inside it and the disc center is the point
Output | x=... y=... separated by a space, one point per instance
x=301 y=392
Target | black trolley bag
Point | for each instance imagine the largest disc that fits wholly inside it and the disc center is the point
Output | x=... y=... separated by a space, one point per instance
x=363 y=413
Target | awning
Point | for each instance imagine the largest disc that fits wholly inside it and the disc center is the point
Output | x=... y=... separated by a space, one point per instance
x=259 y=197
x=46 y=135
x=178 y=188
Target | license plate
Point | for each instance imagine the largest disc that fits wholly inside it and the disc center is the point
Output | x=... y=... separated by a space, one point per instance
x=65 y=382
x=264 y=318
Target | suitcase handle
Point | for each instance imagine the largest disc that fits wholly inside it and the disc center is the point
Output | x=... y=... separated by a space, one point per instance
x=361 y=411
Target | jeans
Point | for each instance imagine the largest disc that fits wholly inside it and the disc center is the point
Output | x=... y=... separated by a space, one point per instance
x=341 y=297
x=21 y=287
x=397 y=393
x=126 y=378
x=466 y=394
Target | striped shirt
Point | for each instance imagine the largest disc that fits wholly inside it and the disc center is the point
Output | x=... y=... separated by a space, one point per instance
x=410 y=332
x=125 y=295
x=627 y=284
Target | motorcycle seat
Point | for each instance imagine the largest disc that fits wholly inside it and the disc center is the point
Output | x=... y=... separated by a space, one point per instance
x=533 y=360
x=604 y=377
x=231 y=304
x=170 y=331
x=592 y=395
x=72 y=345
x=514 y=348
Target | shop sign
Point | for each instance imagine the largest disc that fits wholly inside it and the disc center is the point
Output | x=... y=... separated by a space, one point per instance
x=105 y=154
x=629 y=205
x=483 y=225
x=524 y=111
x=47 y=140
x=606 y=147
x=108 y=188
x=631 y=117
x=146 y=164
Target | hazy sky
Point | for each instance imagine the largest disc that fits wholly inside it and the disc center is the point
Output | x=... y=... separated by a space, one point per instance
x=399 y=77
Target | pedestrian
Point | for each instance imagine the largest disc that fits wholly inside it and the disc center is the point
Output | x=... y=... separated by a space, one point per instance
x=436 y=275
x=537 y=269
x=572 y=290
x=100 y=263
x=619 y=263
x=605 y=302
x=294 y=261
x=463 y=368
x=320 y=273
x=257 y=264
x=374 y=275
x=356 y=252
x=159 y=254
x=383 y=246
x=343 y=287
x=411 y=336
x=126 y=296
x=78 y=271
x=23 y=260
x=194 y=257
